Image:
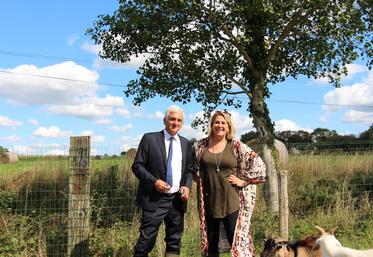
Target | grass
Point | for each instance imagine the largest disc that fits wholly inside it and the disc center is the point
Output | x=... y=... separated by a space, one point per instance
x=329 y=190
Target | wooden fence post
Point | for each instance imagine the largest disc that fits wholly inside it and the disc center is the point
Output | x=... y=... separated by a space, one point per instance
x=284 y=205
x=79 y=197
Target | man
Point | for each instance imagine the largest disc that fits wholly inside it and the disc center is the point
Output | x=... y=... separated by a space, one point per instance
x=164 y=164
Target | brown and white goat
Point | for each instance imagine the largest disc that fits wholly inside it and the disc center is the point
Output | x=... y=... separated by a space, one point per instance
x=331 y=247
x=276 y=247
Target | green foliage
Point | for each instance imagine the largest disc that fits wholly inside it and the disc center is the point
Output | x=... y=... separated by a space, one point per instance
x=20 y=237
x=251 y=135
x=289 y=137
x=118 y=241
x=110 y=187
x=3 y=150
x=327 y=190
x=368 y=134
x=313 y=195
x=361 y=184
x=204 y=50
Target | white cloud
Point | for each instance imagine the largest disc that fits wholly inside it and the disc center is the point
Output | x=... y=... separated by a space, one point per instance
x=55 y=84
x=84 y=110
x=321 y=81
x=108 y=100
x=121 y=129
x=189 y=132
x=130 y=142
x=324 y=118
x=41 y=149
x=86 y=133
x=56 y=151
x=71 y=39
x=6 y=122
x=21 y=149
x=95 y=138
x=358 y=117
x=123 y=112
x=51 y=132
x=89 y=108
x=33 y=122
x=355 y=96
x=12 y=138
x=242 y=122
x=95 y=49
x=104 y=122
x=134 y=63
x=356 y=99
x=354 y=69
x=285 y=124
x=156 y=115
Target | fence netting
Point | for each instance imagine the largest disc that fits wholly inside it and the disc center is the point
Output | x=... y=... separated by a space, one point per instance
x=329 y=185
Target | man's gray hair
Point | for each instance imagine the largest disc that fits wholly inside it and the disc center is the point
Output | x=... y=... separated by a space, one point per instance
x=174 y=108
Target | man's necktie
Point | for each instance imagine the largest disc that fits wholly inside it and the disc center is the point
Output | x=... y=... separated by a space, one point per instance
x=169 y=162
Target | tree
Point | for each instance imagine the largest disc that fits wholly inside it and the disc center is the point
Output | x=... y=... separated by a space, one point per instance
x=3 y=149
x=323 y=135
x=368 y=134
x=213 y=51
x=299 y=136
x=251 y=135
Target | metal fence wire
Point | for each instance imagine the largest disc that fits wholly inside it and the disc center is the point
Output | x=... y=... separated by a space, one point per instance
x=328 y=185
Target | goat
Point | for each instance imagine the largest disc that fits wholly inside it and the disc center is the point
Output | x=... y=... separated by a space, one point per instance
x=276 y=247
x=331 y=247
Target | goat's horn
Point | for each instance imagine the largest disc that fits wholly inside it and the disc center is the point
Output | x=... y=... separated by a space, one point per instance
x=321 y=230
x=332 y=230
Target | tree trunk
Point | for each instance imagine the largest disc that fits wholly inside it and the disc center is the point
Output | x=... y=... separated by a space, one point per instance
x=271 y=183
x=264 y=127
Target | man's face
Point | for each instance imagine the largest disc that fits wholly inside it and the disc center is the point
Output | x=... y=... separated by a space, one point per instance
x=173 y=122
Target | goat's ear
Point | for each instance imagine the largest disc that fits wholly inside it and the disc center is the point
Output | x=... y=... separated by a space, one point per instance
x=321 y=230
x=332 y=230
x=316 y=247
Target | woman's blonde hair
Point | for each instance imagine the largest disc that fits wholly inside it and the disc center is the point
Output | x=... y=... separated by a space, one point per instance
x=227 y=116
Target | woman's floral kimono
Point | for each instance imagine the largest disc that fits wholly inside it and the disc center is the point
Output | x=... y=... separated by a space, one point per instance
x=251 y=168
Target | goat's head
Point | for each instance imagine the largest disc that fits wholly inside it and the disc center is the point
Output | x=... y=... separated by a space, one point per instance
x=327 y=238
x=276 y=247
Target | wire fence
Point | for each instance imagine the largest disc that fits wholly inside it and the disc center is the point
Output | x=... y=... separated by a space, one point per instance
x=327 y=186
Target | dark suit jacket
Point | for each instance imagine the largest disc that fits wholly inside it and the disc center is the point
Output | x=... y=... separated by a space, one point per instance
x=150 y=164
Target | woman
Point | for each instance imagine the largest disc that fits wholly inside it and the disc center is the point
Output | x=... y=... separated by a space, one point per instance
x=227 y=171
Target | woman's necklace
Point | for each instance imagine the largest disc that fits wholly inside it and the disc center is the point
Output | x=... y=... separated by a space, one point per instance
x=217 y=157
x=217 y=160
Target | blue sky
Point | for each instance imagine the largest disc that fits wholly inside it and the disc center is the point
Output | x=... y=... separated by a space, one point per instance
x=44 y=40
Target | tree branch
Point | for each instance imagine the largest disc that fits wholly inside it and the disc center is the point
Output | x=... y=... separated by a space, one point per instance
x=240 y=85
x=233 y=39
x=293 y=21
x=233 y=93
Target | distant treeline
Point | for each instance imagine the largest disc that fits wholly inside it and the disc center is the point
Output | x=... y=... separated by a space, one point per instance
x=321 y=139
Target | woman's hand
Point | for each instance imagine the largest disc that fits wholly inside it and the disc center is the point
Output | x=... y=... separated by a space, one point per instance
x=235 y=181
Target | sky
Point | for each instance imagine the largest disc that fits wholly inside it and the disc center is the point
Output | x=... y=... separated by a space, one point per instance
x=53 y=86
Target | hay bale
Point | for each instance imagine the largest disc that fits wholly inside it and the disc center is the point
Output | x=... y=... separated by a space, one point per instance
x=131 y=153
x=8 y=157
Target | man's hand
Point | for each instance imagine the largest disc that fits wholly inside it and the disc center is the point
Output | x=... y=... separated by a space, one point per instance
x=184 y=193
x=161 y=186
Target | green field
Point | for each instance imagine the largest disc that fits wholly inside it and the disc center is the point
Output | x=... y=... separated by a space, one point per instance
x=327 y=190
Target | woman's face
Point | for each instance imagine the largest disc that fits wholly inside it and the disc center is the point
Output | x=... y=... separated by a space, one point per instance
x=220 y=126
